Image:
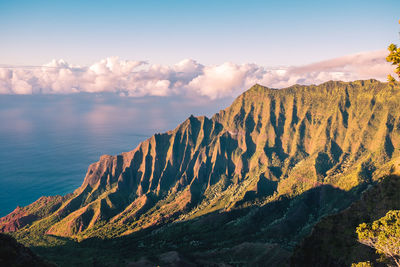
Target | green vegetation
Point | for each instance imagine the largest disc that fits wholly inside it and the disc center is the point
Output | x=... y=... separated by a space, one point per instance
x=335 y=237
x=394 y=58
x=383 y=235
x=362 y=264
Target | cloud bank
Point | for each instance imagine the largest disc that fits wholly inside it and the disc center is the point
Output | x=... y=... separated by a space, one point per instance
x=188 y=77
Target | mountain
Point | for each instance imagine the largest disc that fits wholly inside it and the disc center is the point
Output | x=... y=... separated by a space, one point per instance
x=258 y=174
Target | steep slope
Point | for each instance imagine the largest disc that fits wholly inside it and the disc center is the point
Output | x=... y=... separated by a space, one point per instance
x=334 y=237
x=22 y=216
x=267 y=145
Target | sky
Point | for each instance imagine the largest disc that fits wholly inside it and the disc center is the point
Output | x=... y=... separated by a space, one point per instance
x=267 y=33
x=211 y=48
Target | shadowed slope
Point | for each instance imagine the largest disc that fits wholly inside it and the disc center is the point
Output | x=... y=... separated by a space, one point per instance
x=252 y=236
x=14 y=254
x=334 y=237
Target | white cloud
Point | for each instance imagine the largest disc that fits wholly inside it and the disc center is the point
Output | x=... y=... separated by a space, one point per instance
x=188 y=77
x=220 y=80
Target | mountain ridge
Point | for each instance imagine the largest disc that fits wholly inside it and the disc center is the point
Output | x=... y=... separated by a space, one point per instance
x=267 y=145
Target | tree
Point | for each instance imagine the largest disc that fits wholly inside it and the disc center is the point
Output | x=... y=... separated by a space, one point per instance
x=383 y=235
x=394 y=58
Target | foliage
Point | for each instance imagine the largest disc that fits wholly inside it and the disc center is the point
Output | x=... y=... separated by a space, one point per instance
x=394 y=58
x=383 y=235
x=362 y=264
x=335 y=238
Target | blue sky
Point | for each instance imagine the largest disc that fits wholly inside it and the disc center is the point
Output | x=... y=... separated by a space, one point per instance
x=267 y=33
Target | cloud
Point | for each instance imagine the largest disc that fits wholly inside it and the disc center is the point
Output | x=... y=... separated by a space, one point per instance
x=188 y=77
x=352 y=67
x=221 y=80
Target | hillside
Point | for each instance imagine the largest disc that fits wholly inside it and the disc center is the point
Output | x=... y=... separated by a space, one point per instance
x=14 y=254
x=335 y=236
x=267 y=168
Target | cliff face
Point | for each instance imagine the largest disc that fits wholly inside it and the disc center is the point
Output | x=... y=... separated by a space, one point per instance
x=267 y=144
